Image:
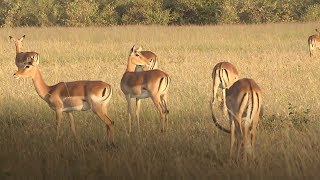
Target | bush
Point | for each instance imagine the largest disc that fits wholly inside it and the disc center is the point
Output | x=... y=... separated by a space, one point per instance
x=80 y=13
x=163 y=12
x=193 y=12
x=146 y=12
x=227 y=12
x=106 y=14
x=312 y=13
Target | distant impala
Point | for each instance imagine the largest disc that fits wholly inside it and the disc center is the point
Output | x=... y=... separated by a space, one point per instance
x=23 y=58
x=71 y=96
x=144 y=84
x=314 y=43
x=224 y=74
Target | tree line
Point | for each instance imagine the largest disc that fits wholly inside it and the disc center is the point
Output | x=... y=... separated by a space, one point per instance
x=15 y=13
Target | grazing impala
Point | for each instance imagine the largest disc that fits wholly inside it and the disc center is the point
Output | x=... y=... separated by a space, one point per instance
x=151 y=59
x=71 y=96
x=314 y=43
x=144 y=84
x=23 y=58
x=224 y=74
x=243 y=103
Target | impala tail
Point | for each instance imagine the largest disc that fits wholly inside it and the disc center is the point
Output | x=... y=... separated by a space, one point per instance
x=153 y=63
x=311 y=42
x=163 y=88
x=216 y=123
x=106 y=94
x=224 y=77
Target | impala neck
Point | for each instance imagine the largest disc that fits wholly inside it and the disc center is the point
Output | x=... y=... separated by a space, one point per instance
x=130 y=67
x=18 y=48
x=41 y=87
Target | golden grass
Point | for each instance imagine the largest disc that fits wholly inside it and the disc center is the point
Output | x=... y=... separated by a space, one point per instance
x=275 y=55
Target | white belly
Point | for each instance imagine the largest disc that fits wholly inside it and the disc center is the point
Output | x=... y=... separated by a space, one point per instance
x=75 y=104
x=85 y=106
x=144 y=94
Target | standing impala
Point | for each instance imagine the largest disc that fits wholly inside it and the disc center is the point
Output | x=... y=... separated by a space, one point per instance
x=71 y=96
x=151 y=60
x=23 y=58
x=144 y=84
x=224 y=74
x=314 y=43
x=243 y=103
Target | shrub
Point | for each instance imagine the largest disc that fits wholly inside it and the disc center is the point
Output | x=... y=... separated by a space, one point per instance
x=193 y=12
x=106 y=14
x=80 y=12
x=146 y=12
x=227 y=12
x=312 y=13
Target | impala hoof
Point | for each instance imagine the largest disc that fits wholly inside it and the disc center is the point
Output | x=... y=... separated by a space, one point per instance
x=111 y=146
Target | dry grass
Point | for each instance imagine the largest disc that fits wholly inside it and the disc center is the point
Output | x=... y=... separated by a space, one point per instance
x=275 y=55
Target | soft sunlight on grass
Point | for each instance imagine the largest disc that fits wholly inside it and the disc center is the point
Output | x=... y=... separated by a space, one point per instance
x=275 y=55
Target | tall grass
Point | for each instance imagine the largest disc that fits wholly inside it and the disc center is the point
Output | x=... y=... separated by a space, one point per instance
x=275 y=55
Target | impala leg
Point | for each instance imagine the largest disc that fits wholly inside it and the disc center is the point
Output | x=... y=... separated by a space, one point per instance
x=232 y=139
x=239 y=140
x=98 y=109
x=59 y=119
x=72 y=126
x=253 y=132
x=129 y=113
x=247 y=142
x=311 y=50
x=157 y=102
x=138 y=105
x=164 y=106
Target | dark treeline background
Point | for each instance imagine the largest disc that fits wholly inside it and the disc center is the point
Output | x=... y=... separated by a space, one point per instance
x=163 y=12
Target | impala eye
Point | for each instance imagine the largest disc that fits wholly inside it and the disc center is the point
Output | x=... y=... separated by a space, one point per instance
x=27 y=66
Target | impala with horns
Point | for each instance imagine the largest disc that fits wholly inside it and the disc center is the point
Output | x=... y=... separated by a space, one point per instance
x=243 y=100
x=314 y=43
x=144 y=84
x=71 y=96
x=23 y=58
x=151 y=61
x=224 y=74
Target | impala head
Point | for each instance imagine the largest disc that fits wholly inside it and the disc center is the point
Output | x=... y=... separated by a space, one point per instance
x=136 y=57
x=28 y=70
x=18 y=42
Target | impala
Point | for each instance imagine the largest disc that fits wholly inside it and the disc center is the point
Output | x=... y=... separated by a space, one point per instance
x=151 y=60
x=144 y=84
x=243 y=100
x=23 y=58
x=314 y=42
x=224 y=74
x=71 y=96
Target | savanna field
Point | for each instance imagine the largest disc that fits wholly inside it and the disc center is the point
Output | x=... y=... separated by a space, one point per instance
x=275 y=55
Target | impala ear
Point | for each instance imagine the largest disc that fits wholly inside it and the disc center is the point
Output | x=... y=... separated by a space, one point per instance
x=139 y=49
x=35 y=60
x=132 y=49
x=12 y=38
x=22 y=38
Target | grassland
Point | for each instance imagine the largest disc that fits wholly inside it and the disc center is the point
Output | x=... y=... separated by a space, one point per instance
x=275 y=55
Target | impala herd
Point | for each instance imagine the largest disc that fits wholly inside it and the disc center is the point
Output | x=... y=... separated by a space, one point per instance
x=241 y=98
